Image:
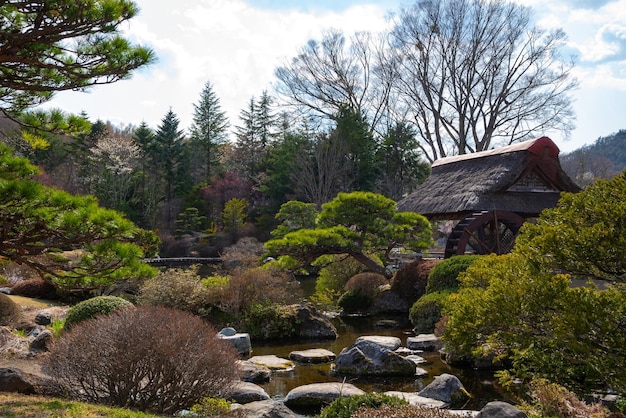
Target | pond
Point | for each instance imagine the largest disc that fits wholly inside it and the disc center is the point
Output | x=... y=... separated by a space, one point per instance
x=480 y=384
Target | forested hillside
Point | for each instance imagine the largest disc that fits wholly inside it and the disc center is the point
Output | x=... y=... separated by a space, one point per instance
x=605 y=158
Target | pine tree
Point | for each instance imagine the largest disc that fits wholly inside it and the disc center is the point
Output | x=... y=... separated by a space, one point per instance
x=168 y=154
x=208 y=132
x=149 y=188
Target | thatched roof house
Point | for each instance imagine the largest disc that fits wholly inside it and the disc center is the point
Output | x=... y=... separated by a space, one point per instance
x=525 y=178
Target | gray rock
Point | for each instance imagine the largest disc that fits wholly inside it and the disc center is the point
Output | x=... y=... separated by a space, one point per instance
x=13 y=380
x=241 y=342
x=228 y=332
x=254 y=373
x=313 y=355
x=446 y=388
x=389 y=301
x=312 y=325
x=387 y=324
x=263 y=409
x=317 y=395
x=390 y=343
x=416 y=359
x=424 y=342
x=500 y=409
x=47 y=315
x=41 y=341
x=5 y=290
x=246 y=392
x=366 y=358
x=419 y=372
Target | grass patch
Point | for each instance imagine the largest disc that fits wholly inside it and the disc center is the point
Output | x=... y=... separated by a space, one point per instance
x=35 y=406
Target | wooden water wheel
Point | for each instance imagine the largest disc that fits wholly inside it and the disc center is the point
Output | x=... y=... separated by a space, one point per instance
x=484 y=233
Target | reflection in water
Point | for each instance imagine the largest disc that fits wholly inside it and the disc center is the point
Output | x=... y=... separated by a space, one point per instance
x=479 y=384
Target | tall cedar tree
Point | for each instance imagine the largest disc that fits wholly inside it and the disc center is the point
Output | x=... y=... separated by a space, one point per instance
x=209 y=132
x=169 y=155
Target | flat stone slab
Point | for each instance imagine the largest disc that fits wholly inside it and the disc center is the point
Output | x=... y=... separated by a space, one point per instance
x=317 y=395
x=425 y=342
x=416 y=400
x=274 y=363
x=390 y=343
x=313 y=355
x=419 y=372
x=416 y=359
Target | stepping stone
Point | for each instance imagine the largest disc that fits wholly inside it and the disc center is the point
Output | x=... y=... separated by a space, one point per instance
x=419 y=372
x=314 y=355
x=246 y=392
x=425 y=342
x=254 y=373
x=390 y=343
x=274 y=363
x=317 y=395
x=416 y=400
x=416 y=359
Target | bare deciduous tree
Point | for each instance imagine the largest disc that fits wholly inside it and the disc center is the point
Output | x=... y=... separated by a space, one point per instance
x=337 y=72
x=475 y=72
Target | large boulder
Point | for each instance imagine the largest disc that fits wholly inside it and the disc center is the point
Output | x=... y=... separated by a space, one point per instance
x=446 y=388
x=313 y=325
x=13 y=380
x=263 y=409
x=390 y=343
x=424 y=342
x=317 y=395
x=367 y=358
x=47 y=315
x=389 y=302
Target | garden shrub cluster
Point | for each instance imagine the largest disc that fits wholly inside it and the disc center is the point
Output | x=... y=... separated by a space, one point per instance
x=148 y=358
x=269 y=321
x=336 y=271
x=442 y=281
x=355 y=301
x=345 y=407
x=90 y=308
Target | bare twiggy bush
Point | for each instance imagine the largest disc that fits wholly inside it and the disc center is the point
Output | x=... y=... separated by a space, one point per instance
x=407 y=411
x=175 y=288
x=411 y=280
x=368 y=283
x=147 y=358
x=550 y=399
x=251 y=286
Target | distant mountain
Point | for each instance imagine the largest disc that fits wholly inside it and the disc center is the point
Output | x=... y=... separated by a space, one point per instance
x=605 y=158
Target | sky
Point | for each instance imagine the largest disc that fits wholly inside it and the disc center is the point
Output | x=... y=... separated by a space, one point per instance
x=237 y=44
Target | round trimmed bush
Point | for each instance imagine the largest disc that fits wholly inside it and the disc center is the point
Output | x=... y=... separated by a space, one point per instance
x=426 y=312
x=147 y=358
x=10 y=312
x=445 y=275
x=367 y=282
x=355 y=300
x=90 y=308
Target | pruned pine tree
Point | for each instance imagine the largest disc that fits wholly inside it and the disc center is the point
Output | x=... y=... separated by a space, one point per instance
x=208 y=133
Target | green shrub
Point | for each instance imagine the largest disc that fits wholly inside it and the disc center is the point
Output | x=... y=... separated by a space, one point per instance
x=93 y=307
x=444 y=276
x=345 y=407
x=427 y=311
x=10 y=312
x=211 y=407
x=332 y=278
x=355 y=300
x=147 y=358
x=269 y=321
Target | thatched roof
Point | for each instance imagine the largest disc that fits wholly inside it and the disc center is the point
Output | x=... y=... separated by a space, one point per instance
x=524 y=178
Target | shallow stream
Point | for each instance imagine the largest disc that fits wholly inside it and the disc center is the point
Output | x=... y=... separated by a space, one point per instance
x=480 y=384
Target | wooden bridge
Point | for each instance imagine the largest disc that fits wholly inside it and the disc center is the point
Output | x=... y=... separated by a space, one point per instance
x=181 y=261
